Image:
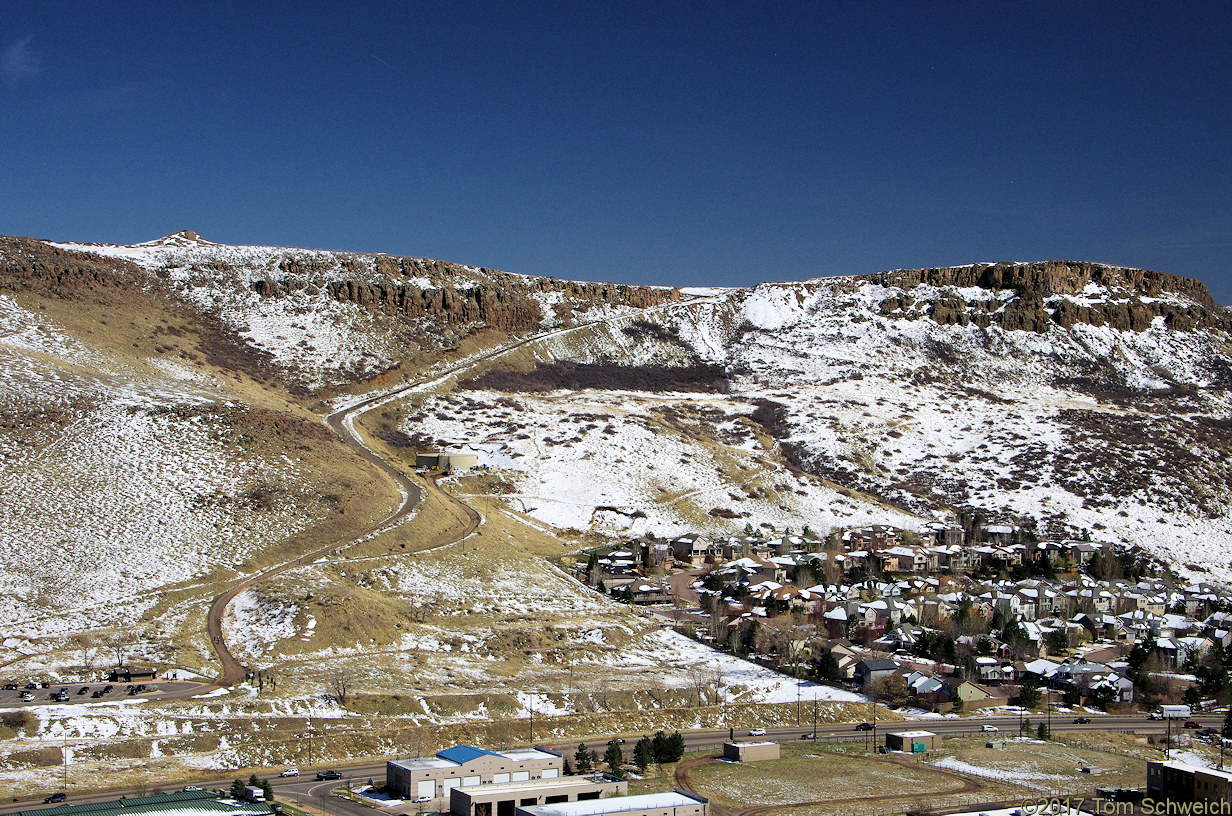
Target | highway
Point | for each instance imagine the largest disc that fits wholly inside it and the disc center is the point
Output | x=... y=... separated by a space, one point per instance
x=317 y=795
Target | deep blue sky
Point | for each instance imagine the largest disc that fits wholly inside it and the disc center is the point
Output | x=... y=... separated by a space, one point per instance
x=698 y=143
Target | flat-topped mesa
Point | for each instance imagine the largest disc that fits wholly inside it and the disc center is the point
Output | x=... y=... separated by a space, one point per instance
x=1052 y=293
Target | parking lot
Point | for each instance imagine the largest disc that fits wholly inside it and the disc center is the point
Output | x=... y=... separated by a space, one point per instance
x=16 y=692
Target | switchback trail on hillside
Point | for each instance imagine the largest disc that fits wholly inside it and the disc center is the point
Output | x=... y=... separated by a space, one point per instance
x=343 y=422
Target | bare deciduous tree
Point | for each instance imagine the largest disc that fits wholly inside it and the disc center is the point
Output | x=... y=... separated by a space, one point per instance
x=341 y=682
x=88 y=646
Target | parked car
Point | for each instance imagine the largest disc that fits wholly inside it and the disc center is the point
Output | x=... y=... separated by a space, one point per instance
x=189 y=789
x=97 y=694
x=1192 y=724
x=864 y=727
x=107 y=688
x=26 y=697
x=32 y=686
x=83 y=689
x=331 y=774
x=10 y=687
x=757 y=732
x=290 y=772
x=992 y=729
x=55 y=797
x=808 y=735
x=1081 y=720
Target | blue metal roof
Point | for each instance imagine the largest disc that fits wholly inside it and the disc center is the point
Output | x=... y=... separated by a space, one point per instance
x=463 y=754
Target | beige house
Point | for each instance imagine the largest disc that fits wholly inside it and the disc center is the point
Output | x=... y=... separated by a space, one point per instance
x=429 y=778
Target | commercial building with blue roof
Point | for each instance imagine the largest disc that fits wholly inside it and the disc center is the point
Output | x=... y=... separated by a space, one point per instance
x=426 y=779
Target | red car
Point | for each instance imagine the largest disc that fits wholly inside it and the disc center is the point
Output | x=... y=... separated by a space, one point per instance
x=1192 y=724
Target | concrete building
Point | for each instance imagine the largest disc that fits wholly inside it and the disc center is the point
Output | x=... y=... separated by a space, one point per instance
x=428 y=778
x=677 y=803
x=750 y=751
x=501 y=799
x=1181 y=782
x=913 y=742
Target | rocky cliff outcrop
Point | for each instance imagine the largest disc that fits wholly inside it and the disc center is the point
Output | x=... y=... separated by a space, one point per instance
x=1134 y=299
x=457 y=295
x=27 y=264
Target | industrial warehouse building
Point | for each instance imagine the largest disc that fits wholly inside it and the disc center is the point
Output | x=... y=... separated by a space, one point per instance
x=427 y=778
x=1181 y=782
x=678 y=803
x=501 y=799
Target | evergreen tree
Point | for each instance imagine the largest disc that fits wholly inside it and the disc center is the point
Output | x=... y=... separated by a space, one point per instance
x=1029 y=695
x=643 y=754
x=1041 y=732
x=237 y=789
x=581 y=758
x=675 y=747
x=658 y=747
x=614 y=758
x=1193 y=696
x=253 y=781
x=267 y=789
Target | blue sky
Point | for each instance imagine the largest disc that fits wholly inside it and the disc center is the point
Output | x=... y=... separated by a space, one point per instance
x=698 y=143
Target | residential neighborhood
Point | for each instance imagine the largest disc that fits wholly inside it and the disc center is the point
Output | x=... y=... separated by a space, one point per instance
x=941 y=618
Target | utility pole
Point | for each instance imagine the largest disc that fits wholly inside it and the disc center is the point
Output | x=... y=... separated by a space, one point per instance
x=1049 y=690
x=814 y=720
x=531 y=707
x=64 y=755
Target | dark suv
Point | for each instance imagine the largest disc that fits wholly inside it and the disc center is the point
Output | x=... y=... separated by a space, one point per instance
x=54 y=798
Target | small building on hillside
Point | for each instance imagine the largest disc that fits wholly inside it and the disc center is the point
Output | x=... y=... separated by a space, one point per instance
x=913 y=742
x=750 y=751
x=131 y=674
x=446 y=462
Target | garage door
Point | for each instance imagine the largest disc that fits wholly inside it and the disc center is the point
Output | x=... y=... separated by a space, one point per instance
x=521 y=776
x=448 y=785
x=550 y=773
x=500 y=777
x=426 y=789
x=470 y=780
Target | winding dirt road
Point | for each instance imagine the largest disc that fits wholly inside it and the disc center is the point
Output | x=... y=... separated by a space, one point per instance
x=343 y=423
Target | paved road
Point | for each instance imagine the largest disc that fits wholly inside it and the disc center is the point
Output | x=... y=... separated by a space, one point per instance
x=306 y=789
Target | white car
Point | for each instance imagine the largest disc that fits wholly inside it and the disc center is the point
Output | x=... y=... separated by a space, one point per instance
x=990 y=728
x=290 y=772
x=757 y=732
